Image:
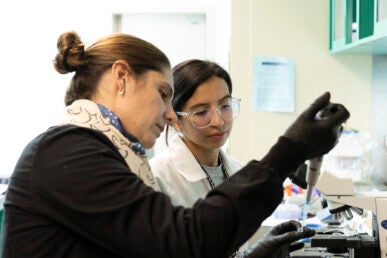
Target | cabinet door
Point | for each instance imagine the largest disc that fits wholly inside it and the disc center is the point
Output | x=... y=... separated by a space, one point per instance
x=340 y=19
x=352 y=24
x=381 y=17
x=366 y=19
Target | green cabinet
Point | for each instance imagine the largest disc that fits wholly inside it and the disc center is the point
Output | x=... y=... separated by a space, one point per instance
x=358 y=26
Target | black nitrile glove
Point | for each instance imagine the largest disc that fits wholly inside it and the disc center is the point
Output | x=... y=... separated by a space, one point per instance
x=282 y=235
x=318 y=136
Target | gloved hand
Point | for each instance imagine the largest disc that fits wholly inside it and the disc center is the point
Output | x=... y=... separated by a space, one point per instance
x=278 y=237
x=318 y=136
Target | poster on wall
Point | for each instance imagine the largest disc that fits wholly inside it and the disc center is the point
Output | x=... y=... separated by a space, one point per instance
x=274 y=84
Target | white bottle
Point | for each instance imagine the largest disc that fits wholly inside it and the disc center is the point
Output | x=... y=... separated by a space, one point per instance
x=354 y=32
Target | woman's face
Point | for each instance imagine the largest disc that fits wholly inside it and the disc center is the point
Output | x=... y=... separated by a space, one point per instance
x=208 y=95
x=147 y=107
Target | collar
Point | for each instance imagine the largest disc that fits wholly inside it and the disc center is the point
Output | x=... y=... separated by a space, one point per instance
x=185 y=162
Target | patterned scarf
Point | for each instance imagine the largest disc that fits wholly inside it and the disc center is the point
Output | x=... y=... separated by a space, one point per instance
x=85 y=113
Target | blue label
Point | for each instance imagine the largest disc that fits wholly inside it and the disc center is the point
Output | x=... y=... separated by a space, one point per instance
x=384 y=224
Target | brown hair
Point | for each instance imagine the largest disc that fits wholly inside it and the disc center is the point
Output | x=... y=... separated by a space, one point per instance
x=190 y=74
x=90 y=64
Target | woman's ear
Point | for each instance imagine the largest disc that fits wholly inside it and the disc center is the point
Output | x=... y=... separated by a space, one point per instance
x=121 y=70
x=121 y=73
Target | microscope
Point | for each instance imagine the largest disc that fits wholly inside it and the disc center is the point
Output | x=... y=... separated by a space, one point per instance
x=342 y=198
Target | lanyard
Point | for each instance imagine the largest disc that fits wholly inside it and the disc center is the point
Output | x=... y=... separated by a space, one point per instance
x=211 y=182
x=209 y=179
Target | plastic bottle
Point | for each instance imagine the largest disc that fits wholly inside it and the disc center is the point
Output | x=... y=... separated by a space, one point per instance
x=287 y=209
x=354 y=32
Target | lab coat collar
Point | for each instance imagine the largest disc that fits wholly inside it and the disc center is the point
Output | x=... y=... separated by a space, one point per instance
x=187 y=165
x=184 y=161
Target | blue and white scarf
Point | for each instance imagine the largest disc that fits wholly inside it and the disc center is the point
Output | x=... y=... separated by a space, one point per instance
x=86 y=113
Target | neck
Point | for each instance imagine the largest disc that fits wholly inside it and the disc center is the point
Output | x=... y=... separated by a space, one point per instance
x=208 y=157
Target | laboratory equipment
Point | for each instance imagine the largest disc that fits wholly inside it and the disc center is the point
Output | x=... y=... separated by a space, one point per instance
x=312 y=176
x=341 y=196
x=313 y=171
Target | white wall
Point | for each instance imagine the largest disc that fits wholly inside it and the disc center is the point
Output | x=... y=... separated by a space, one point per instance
x=298 y=29
x=32 y=91
x=180 y=36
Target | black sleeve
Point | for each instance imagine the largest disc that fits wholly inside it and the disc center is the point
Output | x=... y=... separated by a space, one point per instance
x=82 y=182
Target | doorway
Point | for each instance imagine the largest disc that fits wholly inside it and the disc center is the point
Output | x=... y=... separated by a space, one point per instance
x=180 y=36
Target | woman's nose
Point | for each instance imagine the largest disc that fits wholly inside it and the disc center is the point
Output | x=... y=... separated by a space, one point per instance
x=170 y=115
x=217 y=119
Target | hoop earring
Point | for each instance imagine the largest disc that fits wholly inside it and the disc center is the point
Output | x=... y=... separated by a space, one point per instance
x=122 y=91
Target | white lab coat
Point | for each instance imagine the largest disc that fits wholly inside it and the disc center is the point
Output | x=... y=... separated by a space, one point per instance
x=179 y=174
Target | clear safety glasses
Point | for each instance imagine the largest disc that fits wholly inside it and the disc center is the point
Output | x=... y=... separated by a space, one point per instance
x=202 y=118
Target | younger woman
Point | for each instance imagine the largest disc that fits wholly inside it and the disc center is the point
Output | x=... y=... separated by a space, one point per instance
x=194 y=162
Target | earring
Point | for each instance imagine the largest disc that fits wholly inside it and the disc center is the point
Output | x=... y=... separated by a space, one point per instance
x=122 y=91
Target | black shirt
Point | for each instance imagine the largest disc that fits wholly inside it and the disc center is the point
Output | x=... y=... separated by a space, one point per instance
x=73 y=195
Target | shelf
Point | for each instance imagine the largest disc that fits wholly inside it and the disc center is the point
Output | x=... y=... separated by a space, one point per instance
x=371 y=33
x=369 y=45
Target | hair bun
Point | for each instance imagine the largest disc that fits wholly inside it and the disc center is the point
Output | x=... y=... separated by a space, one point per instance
x=70 y=53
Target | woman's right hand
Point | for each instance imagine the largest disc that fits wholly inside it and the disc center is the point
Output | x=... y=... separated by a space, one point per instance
x=318 y=136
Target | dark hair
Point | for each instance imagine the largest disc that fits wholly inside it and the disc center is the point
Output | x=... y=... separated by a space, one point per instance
x=90 y=64
x=190 y=74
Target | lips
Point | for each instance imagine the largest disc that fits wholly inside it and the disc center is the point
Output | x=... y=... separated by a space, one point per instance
x=217 y=135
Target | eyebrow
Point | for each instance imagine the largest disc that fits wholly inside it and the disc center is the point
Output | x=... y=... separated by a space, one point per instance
x=206 y=104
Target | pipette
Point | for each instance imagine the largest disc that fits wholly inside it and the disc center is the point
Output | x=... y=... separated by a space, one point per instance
x=312 y=175
x=313 y=171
